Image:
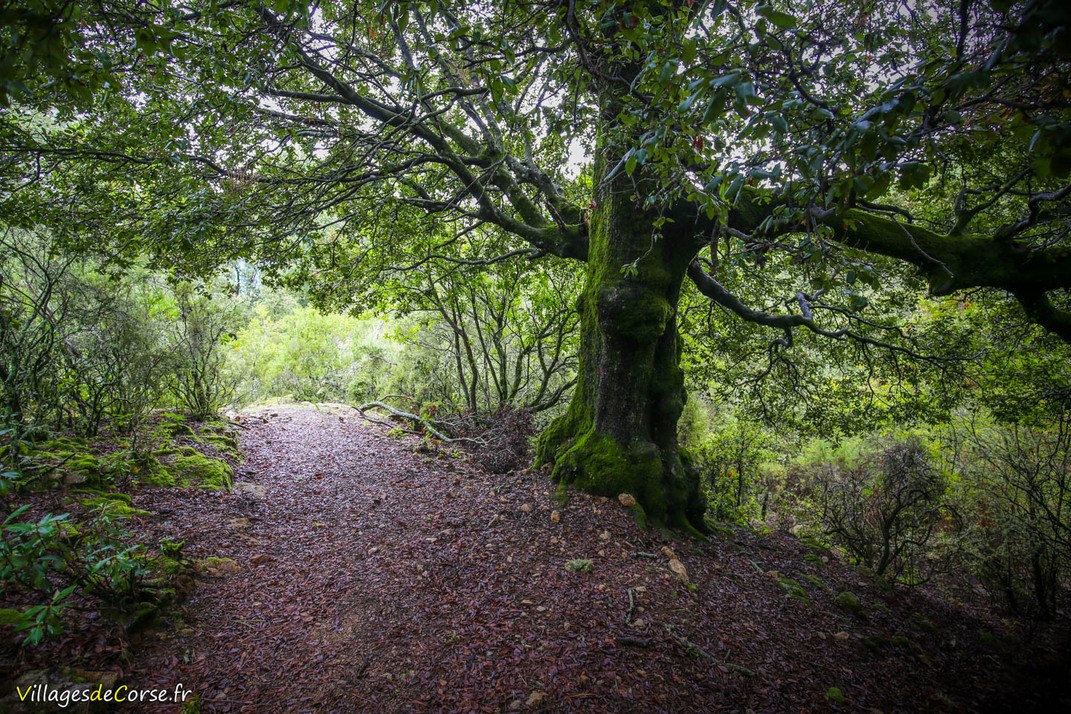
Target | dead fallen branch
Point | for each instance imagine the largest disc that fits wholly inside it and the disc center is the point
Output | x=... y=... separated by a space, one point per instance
x=694 y=649
x=428 y=425
x=626 y=641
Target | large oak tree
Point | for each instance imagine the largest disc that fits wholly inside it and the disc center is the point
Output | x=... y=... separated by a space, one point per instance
x=337 y=140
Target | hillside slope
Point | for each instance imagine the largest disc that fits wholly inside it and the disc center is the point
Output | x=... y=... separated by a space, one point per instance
x=347 y=572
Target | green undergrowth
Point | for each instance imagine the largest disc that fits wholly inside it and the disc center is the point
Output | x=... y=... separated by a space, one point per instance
x=174 y=452
x=85 y=550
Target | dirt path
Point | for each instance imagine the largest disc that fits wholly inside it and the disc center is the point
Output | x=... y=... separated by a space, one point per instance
x=367 y=577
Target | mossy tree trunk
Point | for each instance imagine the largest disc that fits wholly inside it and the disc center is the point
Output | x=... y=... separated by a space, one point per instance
x=619 y=434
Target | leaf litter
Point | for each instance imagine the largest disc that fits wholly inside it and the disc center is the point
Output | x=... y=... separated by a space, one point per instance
x=370 y=577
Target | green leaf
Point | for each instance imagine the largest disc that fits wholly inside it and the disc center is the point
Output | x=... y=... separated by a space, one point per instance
x=668 y=70
x=914 y=175
x=688 y=50
x=880 y=186
x=687 y=103
x=725 y=80
x=782 y=20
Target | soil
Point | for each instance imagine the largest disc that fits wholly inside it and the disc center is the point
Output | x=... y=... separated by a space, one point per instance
x=368 y=576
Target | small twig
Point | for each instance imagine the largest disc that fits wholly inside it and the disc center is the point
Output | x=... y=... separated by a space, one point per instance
x=364 y=666
x=643 y=554
x=626 y=641
x=695 y=649
x=631 y=607
x=416 y=418
x=389 y=425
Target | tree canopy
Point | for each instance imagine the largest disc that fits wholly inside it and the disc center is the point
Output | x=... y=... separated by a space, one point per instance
x=790 y=144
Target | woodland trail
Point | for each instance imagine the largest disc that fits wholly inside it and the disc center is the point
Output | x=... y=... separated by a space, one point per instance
x=367 y=577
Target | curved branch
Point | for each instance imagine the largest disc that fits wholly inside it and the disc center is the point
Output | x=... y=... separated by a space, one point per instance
x=1040 y=309
x=720 y=295
x=567 y=240
x=948 y=262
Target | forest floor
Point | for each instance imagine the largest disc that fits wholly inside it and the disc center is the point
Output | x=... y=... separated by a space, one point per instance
x=357 y=574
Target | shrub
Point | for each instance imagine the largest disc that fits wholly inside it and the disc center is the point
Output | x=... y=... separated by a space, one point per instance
x=1016 y=495
x=732 y=457
x=53 y=559
x=200 y=383
x=883 y=506
x=507 y=441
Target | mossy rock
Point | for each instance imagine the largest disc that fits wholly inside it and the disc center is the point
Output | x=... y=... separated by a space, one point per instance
x=793 y=589
x=850 y=602
x=835 y=696
x=123 y=463
x=64 y=444
x=189 y=467
x=167 y=566
x=155 y=472
x=817 y=582
x=217 y=567
x=69 y=532
x=106 y=495
x=118 y=507
x=203 y=472
x=82 y=468
x=161 y=475
x=181 y=429
x=580 y=565
x=225 y=444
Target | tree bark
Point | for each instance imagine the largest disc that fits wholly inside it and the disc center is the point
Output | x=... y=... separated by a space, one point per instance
x=619 y=434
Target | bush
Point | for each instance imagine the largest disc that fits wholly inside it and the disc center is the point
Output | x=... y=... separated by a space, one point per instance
x=52 y=559
x=311 y=356
x=1016 y=496
x=883 y=505
x=200 y=383
x=508 y=441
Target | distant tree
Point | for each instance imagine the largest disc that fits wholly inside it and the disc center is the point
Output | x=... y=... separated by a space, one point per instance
x=508 y=334
x=336 y=139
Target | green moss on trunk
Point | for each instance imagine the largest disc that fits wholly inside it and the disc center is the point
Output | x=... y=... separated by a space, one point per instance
x=620 y=432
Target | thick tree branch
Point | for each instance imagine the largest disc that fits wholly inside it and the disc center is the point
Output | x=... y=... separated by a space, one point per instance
x=948 y=262
x=1040 y=309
